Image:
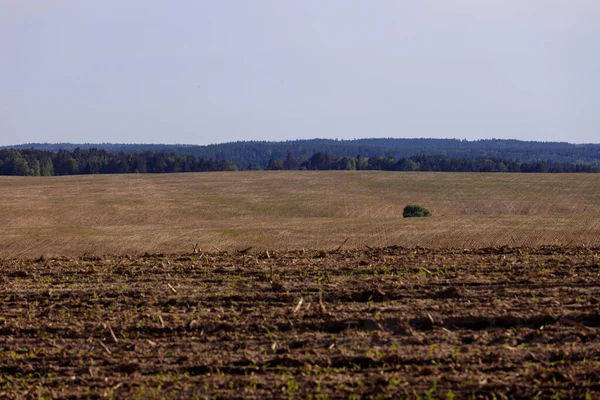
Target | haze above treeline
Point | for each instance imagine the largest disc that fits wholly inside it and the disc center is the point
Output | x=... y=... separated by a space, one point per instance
x=257 y=154
x=189 y=71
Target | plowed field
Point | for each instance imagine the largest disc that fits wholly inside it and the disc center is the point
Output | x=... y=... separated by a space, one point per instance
x=381 y=323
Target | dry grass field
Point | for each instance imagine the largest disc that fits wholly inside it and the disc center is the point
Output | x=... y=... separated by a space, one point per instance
x=132 y=214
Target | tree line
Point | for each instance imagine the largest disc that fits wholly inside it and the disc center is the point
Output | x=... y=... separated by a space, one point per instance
x=30 y=162
x=256 y=154
x=325 y=161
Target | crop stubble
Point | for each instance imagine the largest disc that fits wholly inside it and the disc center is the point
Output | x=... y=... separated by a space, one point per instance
x=288 y=210
x=390 y=323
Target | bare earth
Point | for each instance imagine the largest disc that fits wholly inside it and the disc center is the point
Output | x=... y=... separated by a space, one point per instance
x=132 y=214
x=373 y=323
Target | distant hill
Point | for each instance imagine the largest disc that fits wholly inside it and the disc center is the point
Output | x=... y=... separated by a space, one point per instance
x=256 y=154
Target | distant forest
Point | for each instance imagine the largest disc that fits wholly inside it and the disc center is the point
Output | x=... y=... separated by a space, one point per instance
x=96 y=161
x=256 y=155
x=30 y=162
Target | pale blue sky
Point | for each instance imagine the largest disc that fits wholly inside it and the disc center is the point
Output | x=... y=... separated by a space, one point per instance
x=209 y=71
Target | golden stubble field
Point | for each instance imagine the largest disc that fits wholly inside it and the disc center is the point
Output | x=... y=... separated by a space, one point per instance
x=130 y=214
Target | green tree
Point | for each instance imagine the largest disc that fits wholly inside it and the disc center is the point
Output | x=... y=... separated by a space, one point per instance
x=47 y=167
x=275 y=164
x=34 y=165
x=290 y=162
x=16 y=164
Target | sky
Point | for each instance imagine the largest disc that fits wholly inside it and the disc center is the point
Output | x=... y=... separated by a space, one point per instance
x=212 y=71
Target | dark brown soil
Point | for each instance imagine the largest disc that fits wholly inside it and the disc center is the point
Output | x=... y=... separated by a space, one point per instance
x=382 y=323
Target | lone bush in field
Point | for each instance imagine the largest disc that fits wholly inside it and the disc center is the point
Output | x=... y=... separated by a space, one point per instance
x=415 y=211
